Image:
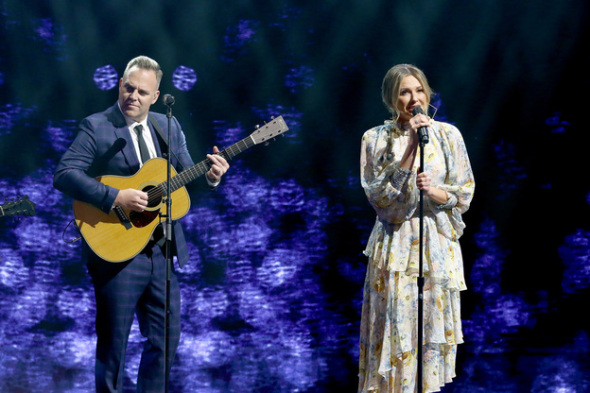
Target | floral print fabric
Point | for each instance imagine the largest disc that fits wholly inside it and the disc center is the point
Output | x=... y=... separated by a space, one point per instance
x=389 y=317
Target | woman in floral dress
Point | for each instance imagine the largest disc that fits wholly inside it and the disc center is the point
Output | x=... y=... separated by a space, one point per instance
x=390 y=176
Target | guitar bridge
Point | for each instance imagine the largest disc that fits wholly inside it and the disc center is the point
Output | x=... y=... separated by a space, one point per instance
x=123 y=217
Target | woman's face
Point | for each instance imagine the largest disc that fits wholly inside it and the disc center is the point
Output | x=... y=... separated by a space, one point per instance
x=411 y=95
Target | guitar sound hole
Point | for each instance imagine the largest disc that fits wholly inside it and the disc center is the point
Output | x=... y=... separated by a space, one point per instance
x=154 y=197
x=140 y=220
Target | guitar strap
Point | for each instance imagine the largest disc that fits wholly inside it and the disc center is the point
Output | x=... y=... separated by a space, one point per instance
x=159 y=132
x=163 y=143
x=162 y=140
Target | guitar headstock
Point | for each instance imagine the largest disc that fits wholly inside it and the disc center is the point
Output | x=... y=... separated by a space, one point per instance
x=269 y=130
x=23 y=207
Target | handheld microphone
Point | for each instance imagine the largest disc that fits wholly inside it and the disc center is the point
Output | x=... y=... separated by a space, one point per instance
x=422 y=131
x=168 y=99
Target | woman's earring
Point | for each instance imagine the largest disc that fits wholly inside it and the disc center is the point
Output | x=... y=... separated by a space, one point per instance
x=435 y=110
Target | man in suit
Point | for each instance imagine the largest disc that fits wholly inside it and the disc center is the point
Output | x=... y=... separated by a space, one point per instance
x=117 y=142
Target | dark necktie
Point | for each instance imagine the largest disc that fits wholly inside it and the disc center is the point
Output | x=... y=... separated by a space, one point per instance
x=143 y=149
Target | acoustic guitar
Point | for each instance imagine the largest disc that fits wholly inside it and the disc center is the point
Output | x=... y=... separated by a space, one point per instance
x=121 y=234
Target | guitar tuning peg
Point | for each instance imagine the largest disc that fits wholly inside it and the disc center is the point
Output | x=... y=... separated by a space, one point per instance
x=272 y=117
x=257 y=126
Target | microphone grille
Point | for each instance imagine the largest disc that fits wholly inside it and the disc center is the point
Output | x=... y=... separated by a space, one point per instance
x=168 y=99
x=417 y=110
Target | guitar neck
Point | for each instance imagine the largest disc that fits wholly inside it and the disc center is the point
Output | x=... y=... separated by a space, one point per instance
x=22 y=207
x=202 y=167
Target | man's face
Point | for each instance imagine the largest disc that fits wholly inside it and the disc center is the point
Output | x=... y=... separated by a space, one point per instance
x=138 y=93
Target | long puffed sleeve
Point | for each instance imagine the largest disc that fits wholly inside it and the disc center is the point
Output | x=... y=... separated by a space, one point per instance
x=390 y=189
x=459 y=181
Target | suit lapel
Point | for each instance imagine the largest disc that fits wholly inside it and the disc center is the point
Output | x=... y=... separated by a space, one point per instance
x=122 y=131
x=128 y=150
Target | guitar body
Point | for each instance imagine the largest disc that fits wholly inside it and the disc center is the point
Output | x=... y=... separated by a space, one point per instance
x=121 y=234
x=108 y=236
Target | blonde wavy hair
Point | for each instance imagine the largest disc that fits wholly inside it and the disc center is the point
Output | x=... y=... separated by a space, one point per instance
x=391 y=85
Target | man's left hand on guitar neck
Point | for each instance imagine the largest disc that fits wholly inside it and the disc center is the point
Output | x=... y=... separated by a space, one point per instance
x=219 y=167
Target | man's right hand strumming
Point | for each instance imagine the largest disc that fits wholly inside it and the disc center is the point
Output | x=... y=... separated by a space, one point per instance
x=132 y=199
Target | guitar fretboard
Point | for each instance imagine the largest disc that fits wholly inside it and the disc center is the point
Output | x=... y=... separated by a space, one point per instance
x=199 y=169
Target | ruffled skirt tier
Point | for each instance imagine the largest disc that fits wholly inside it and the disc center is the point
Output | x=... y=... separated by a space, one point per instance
x=388 y=357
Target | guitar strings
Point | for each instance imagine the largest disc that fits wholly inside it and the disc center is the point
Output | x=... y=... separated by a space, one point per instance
x=156 y=194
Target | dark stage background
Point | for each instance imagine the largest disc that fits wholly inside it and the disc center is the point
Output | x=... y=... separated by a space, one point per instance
x=272 y=295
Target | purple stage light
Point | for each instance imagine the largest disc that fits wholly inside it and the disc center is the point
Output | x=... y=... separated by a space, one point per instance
x=299 y=78
x=50 y=33
x=11 y=114
x=184 y=78
x=60 y=134
x=12 y=272
x=485 y=274
x=557 y=124
x=575 y=254
x=106 y=77
x=237 y=37
x=45 y=29
x=279 y=267
x=511 y=172
x=227 y=134
x=287 y=196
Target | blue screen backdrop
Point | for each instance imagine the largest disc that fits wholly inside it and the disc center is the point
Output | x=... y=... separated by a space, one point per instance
x=272 y=295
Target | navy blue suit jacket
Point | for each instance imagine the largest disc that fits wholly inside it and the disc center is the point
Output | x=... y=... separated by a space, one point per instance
x=104 y=146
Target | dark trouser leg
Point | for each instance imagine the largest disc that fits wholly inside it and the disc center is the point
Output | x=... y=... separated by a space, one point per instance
x=118 y=287
x=150 y=314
